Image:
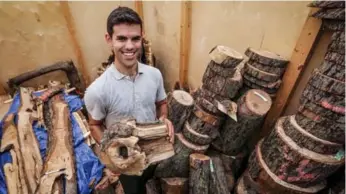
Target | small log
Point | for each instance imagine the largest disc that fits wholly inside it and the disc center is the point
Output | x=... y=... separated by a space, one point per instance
x=174 y=185
x=220 y=70
x=264 y=84
x=332 y=70
x=178 y=165
x=179 y=106
x=262 y=75
x=320 y=127
x=148 y=131
x=194 y=137
x=252 y=108
x=333 y=13
x=266 y=57
x=270 y=69
x=218 y=181
x=327 y=84
x=199 y=174
x=11 y=173
x=306 y=140
x=335 y=58
x=337 y=43
x=260 y=173
x=156 y=150
x=327 y=4
x=208 y=106
x=334 y=25
x=294 y=165
x=153 y=186
x=225 y=56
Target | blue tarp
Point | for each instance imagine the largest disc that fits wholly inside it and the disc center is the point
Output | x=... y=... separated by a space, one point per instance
x=88 y=166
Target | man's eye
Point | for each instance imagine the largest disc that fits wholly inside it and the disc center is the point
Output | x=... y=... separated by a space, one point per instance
x=136 y=39
x=121 y=38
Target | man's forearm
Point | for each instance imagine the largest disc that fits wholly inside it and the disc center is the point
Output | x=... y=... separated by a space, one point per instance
x=96 y=132
x=162 y=110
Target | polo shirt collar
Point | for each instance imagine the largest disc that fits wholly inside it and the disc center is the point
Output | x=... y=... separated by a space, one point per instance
x=120 y=76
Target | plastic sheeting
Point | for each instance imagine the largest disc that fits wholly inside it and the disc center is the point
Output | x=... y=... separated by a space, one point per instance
x=88 y=166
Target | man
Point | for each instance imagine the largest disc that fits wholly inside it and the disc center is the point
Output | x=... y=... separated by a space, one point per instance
x=127 y=88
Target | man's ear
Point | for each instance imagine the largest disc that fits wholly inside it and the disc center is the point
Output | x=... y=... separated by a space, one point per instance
x=108 y=39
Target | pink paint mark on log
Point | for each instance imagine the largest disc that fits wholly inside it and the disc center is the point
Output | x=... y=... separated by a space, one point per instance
x=337 y=109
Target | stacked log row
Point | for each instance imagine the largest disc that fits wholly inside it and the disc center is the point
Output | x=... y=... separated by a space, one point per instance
x=263 y=71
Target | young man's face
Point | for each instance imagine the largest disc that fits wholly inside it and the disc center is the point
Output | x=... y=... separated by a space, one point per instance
x=126 y=43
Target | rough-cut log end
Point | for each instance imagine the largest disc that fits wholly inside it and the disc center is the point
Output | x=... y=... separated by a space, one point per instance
x=150 y=131
x=156 y=150
x=266 y=57
x=174 y=185
x=257 y=102
x=198 y=160
x=225 y=56
x=195 y=148
x=195 y=137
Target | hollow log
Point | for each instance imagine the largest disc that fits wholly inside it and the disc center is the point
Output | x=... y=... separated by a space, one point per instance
x=260 y=173
x=333 y=13
x=252 y=108
x=306 y=140
x=262 y=75
x=60 y=155
x=194 y=137
x=179 y=106
x=156 y=150
x=320 y=127
x=336 y=58
x=153 y=186
x=178 y=165
x=265 y=84
x=294 y=165
x=267 y=68
x=266 y=57
x=327 y=84
x=218 y=181
x=175 y=185
x=337 y=43
x=225 y=56
x=332 y=70
x=199 y=174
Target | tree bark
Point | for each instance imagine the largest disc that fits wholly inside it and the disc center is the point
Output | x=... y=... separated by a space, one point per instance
x=194 y=137
x=218 y=181
x=247 y=185
x=294 y=165
x=225 y=56
x=153 y=186
x=267 y=68
x=332 y=70
x=327 y=84
x=264 y=84
x=220 y=70
x=320 y=127
x=333 y=13
x=252 y=85
x=266 y=57
x=178 y=165
x=199 y=174
x=262 y=75
x=175 y=185
x=335 y=25
x=252 y=108
x=306 y=140
x=156 y=150
x=208 y=106
x=337 y=43
x=260 y=173
x=327 y=4
x=335 y=58
x=179 y=106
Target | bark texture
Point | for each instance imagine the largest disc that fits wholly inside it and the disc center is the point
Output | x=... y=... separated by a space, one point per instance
x=199 y=174
x=225 y=56
x=266 y=57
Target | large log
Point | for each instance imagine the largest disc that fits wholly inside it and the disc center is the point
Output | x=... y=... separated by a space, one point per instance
x=199 y=174
x=337 y=43
x=266 y=57
x=336 y=58
x=194 y=137
x=156 y=150
x=225 y=87
x=175 y=185
x=327 y=84
x=252 y=108
x=320 y=127
x=306 y=140
x=262 y=75
x=178 y=165
x=294 y=164
x=264 y=84
x=267 y=68
x=260 y=173
x=60 y=155
x=225 y=56
x=179 y=106
x=218 y=181
x=332 y=70
x=333 y=13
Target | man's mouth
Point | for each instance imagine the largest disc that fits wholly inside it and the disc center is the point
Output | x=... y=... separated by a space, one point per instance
x=129 y=53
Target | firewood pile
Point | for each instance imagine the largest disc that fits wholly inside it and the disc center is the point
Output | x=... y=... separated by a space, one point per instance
x=305 y=149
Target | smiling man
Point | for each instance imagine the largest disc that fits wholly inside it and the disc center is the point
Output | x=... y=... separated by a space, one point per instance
x=127 y=88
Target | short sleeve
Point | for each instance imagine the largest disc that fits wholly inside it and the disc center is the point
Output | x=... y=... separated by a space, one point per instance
x=94 y=105
x=161 y=93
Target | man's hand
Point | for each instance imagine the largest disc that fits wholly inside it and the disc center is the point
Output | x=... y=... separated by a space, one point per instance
x=108 y=178
x=169 y=127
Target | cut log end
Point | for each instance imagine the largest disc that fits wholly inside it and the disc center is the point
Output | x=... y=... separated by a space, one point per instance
x=174 y=185
x=183 y=97
x=198 y=160
x=258 y=101
x=191 y=146
x=225 y=56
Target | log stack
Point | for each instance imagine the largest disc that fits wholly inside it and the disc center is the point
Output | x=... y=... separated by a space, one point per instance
x=305 y=149
x=263 y=70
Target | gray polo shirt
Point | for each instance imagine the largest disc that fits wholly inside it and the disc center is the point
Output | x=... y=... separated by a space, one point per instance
x=113 y=96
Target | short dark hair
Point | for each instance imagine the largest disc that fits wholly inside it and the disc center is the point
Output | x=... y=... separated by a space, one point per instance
x=122 y=15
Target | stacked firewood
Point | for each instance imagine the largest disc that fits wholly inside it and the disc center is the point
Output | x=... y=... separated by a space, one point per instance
x=263 y=71
x=303 y=150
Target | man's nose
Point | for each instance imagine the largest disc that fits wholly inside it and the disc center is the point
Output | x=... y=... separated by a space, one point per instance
x=129 y=45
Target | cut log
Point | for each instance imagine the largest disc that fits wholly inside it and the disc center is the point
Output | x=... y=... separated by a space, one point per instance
x=327 y=4
x=335 y=58
x=208 y=106
x=264 y=84
x=334 y=13
x=218 y=181
x=327 y=84
x=271 y=92
x=60 y=155
x=11 y=172
x=148 y=131
x=332 y=70
x=199 y=174
x=226 y=87
x=296 y=165
x=252 y=108
x=220 y=70
x=179 y=106
x=306 y=140
x=266 y=57
x=225 y=56
x=251 y=186
x=194 y=137
x=337 y=43
x=261 y=174
x=174 y=185
x=156 y=150
x=334 y=25
x=267 y=68
x=153 y=187
x=262 y=75
x=320 y=127
x=178 y=165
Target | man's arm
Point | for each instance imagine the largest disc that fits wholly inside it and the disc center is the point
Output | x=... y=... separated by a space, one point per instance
x=162 y=112
x=96 y=129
